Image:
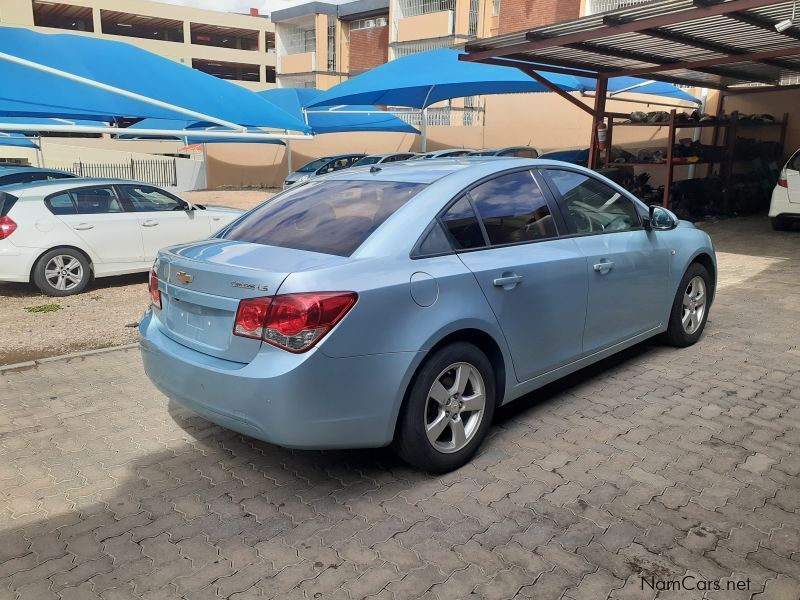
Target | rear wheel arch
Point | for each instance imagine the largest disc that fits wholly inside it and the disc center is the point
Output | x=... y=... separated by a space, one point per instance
x=62 y=247
x=486 y=344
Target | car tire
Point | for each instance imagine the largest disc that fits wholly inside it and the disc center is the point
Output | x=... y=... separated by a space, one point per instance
x=780 y=224
x=62 y=272
x=436 y=431
x=689 y=313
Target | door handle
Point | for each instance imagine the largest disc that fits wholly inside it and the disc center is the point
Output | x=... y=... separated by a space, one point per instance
x=149 y=223
x=508 y=281
x=83 y=226
x=604 y=266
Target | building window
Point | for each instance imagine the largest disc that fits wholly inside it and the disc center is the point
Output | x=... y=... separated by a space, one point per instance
x=141 y=26
x=227 y=70
x=495 y=8
x=269 y=37
x=62 y=16
x=369 y=23
x=270 y=74
x=297 y=40
x=224 y=37
x=331 y=43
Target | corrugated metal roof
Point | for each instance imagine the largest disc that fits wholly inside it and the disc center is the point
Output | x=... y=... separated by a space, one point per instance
x=713 y=43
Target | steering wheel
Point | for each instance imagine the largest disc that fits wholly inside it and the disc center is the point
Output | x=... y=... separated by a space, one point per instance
x=582 y=221
x=619 y=220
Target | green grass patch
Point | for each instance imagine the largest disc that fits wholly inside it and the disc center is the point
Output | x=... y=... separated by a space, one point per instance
x=43 y=308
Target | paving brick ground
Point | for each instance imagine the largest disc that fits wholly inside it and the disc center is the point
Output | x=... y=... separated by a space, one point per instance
x=659 y=463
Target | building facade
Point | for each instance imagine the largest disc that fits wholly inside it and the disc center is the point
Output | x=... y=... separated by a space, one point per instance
x=239 y=48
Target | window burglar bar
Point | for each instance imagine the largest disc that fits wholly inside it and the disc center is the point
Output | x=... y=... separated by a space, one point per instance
x=299 y=41
x=156 y=172
x=594 y=7
x=412 y=8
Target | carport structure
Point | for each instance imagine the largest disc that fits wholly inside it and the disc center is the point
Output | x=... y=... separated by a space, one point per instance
x=730 y=45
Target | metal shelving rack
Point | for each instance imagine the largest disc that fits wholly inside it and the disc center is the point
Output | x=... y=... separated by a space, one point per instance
x=730 y=128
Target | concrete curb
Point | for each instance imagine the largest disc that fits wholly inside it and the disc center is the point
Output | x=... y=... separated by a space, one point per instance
x=39 y=361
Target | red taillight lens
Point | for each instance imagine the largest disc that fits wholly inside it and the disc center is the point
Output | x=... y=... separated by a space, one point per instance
x=7 y=227
x=251 y=316
x=155 y=293
x=783 y=180
x=293 y=322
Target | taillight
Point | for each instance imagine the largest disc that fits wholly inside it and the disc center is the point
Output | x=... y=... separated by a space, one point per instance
x=251 y=316
x=155 y=293
x=783 y=180
x=7 y=227
x=293 y=322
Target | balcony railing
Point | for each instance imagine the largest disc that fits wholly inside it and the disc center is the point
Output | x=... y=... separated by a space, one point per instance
x=594 y=7
x=447 y=116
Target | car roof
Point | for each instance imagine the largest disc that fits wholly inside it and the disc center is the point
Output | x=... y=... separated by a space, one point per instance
x=54 y=185
x=359 y=154
x=11 y=169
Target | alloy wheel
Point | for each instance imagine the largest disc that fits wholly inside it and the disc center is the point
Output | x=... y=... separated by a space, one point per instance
x=63 y=272
x=694 y=305
x=455 y=407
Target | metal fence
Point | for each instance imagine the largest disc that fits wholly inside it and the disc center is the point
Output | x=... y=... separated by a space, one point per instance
x=447 y=116
x=157 y=172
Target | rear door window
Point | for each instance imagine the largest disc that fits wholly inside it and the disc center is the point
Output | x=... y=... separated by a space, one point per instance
x=331 y=217
x=513 y=209
x=96 y=200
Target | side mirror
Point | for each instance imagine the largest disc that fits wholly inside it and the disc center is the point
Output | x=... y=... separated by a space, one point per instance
x=660 y=219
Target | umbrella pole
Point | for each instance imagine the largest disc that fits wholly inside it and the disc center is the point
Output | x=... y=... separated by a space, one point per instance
x=40 y=153
x=423 y=129
x=289 y=155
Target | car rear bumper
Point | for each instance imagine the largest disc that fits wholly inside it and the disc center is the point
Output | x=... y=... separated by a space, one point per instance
x=780 y=205
x=309 y=401
x=16 y=263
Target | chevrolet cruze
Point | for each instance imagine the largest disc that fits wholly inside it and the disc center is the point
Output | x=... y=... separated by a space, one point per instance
x=401 y=304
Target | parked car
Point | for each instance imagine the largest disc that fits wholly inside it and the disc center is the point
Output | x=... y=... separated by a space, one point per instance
x=514 y=151
x=11 y=174
x=321 y=166
x=60 y=234
x=451 y=153
x=376 y=159
x=784 y=209
x=402 y=306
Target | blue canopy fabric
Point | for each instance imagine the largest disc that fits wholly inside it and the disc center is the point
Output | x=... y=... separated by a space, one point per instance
x=32 y=93
x=19 y=140
x=635 y=85
x=423 y=79
x=180 y=125
x=293 y=100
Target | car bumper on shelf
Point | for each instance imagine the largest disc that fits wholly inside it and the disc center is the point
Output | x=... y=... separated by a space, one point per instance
x=309 y=401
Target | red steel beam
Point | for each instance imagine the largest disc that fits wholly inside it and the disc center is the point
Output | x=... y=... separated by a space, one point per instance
x=698 y=12
x=709 y=62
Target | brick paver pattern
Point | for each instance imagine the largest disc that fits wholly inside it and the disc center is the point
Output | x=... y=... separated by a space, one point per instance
x=658 y=463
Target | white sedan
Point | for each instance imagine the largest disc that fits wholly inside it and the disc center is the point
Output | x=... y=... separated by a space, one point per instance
x=785 y=205
x=60 y=234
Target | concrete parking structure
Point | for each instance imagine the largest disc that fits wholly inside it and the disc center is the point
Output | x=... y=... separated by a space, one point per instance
x=656 y=464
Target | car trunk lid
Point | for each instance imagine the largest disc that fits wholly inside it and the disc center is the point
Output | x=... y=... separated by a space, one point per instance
x=205 y=282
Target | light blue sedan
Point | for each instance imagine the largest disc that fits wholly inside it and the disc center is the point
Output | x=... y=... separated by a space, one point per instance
x=401 y=304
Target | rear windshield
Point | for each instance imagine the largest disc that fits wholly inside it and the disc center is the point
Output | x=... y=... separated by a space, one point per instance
x=6 y=202
x=331 y=217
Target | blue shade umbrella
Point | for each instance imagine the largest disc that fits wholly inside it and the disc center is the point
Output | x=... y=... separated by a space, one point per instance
x=17 y=139
x=635 y=85
x=423 y=79
x=338 y=119
x=71 y=76
x=40 y=123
